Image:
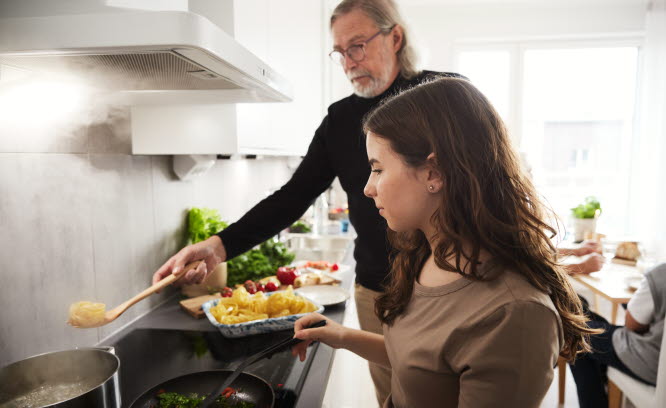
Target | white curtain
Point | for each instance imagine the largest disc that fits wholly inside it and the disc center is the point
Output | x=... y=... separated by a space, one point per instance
x=648 y=198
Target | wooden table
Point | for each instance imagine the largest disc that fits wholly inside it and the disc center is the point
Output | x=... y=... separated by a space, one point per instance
x=611 y=283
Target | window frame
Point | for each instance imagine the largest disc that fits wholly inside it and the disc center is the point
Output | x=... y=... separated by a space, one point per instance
x=517 y=49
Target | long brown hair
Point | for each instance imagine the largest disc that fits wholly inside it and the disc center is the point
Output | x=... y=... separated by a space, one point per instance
x=488 y=203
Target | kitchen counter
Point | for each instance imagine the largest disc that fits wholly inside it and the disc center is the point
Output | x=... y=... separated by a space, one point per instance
x=167 y=343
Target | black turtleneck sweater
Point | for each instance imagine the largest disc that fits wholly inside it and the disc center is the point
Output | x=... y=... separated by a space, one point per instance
x=337 y=149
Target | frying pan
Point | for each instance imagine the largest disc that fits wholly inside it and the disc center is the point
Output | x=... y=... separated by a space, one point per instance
x=250 y=388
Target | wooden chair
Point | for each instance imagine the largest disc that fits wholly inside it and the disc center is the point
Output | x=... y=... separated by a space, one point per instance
x=640 y=394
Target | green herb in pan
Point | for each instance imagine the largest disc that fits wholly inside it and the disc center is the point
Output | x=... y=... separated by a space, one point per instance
x=176 y=400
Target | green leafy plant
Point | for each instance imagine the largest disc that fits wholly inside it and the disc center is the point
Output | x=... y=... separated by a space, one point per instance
x=254 y=264
x=202 y=223
x=259 y=262
x=300 y=227
x=589 y=208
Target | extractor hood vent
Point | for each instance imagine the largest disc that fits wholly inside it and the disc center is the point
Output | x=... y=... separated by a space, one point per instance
x=147 y=71
x=139 y=51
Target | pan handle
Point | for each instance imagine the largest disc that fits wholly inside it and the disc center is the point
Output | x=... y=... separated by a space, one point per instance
x=253 y=359
x=285 y=344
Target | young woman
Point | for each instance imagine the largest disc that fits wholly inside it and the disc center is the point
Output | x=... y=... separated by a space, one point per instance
x=477 y=309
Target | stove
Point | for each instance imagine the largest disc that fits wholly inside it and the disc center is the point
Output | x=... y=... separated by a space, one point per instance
x=151 y=356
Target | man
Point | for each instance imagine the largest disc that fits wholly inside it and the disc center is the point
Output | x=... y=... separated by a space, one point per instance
x=373 y=49
x=633 y=349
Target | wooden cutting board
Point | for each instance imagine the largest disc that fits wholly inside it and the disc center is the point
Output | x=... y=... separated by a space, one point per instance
x=193 y=305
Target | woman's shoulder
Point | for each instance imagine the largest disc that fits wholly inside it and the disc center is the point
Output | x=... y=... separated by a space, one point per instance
x=521 y=289
x=513 y=290
x=515 y=300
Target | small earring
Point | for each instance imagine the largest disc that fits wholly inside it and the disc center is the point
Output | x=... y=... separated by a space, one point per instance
x=431 y=188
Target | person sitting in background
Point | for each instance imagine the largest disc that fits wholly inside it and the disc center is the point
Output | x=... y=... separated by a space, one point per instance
x=632 y=348
x=593 y=263
x=477 y=309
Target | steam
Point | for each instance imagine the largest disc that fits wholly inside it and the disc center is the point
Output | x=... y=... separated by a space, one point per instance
x=32 y=105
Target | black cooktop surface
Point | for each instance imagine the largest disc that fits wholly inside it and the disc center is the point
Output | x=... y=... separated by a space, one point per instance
x=149 y=357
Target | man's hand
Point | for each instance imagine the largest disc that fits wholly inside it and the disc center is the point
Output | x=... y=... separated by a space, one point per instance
x=210 y=251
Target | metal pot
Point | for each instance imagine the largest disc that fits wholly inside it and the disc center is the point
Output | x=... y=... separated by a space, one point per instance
x=79 y=378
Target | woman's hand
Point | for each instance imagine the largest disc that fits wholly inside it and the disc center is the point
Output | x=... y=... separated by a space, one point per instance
x=592 y=264
x=210 y=251
x=588 y=247
x=332 y=334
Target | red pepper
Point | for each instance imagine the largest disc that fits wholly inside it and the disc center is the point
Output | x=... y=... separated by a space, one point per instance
x=261 y=287
x=286 y=275
x=227 y=292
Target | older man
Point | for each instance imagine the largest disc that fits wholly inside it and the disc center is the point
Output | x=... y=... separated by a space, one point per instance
x=372 y=46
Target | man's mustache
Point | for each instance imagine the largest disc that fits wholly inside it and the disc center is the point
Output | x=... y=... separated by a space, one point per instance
x=357 y=74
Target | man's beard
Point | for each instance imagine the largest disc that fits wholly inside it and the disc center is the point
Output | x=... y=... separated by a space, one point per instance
x=376 y=85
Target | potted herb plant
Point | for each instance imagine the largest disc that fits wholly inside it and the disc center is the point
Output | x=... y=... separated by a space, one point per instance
x=585 y=217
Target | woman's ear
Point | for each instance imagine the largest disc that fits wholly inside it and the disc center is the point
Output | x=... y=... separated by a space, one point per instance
x=434 y=178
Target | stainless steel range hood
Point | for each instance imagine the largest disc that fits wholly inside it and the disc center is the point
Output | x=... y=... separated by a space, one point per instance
x=154 y=56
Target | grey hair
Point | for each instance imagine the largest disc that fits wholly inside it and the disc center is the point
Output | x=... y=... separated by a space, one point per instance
x=385 y=15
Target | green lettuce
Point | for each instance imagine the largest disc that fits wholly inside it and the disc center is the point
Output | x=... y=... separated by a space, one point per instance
x=202 y=223
x=254 y=264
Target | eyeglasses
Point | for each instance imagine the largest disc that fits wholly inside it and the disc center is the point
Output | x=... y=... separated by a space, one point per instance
x=356 y=52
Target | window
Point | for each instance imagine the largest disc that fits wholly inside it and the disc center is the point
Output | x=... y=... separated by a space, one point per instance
x=494 y=83
x=570 y=110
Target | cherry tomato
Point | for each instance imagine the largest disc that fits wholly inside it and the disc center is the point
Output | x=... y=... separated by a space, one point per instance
x=250 y=287
x=271 y=287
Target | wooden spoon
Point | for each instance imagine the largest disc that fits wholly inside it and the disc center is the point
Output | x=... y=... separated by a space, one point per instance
x=99 y=317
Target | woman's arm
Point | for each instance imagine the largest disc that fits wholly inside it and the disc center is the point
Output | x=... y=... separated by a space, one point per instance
x=368 y=345
x=593 y=263
x=509 y=357
x=586 y=247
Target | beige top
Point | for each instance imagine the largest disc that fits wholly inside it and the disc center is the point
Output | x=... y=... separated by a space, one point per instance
x=474 y=344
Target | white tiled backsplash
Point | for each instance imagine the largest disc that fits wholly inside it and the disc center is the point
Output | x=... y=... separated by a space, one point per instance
x=81 y=218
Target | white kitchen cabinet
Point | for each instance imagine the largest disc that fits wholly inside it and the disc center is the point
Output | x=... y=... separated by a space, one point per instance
x=289 y=35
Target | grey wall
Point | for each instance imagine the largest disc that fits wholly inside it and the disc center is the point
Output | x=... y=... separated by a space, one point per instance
x=83 y=219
